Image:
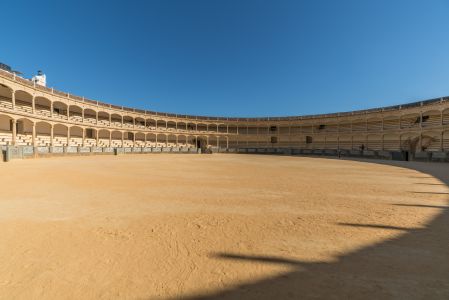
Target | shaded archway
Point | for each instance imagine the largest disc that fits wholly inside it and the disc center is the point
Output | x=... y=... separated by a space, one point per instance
x=42 y=106
x=24 y=101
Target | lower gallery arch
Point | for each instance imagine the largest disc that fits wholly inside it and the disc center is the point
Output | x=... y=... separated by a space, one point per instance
x=391 y=142
x=5 y=130
x=430 y=141
x=409 y=142
x=116 y=139
x=223 y=142
x=76 y=136
x=374 y=142
x=24 y=132
x=213 y=141
x=358 y=142
x=345 y=142
x=103 y=138
x=43 y=134
x=128 y=139
x=59 y=135
x=140 y=140
x=90 y=137
x=161 y=140
x=332 y=142
x=171 y=140
x=151 y=140
x=182 y=140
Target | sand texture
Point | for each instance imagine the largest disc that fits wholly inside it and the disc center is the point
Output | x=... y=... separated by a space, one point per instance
x=222 y=226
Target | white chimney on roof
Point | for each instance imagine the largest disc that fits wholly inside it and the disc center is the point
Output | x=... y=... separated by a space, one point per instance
x=40 y=78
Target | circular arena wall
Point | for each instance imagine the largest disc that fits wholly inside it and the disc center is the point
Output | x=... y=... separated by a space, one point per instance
x=33 y=115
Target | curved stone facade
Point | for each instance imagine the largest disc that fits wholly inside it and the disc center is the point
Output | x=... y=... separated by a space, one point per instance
x=37 y=116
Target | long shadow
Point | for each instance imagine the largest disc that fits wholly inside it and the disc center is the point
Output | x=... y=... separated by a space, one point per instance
x=422 y=205
x=414 y=265
x=430 y=193
x=374 y=226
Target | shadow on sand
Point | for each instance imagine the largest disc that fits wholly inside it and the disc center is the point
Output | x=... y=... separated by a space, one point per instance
x=414 y=265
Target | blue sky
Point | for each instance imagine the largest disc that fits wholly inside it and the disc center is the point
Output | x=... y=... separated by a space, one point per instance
x=234 y=58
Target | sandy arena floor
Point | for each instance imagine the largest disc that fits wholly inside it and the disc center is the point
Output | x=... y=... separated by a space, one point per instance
x=222 y=227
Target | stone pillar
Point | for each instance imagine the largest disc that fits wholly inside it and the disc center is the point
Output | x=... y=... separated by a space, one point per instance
x=13 y=99
x=110 y=138
x=68 y=112
x=51 y=135
x=84 y=137
x=14 y=131
x=97 y=132
x=33 y=136
x=33 y=104
x=51 y=109
x=68 y=136
x=123 y=136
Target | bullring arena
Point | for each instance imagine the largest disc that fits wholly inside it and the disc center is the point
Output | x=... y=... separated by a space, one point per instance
x=159 y=220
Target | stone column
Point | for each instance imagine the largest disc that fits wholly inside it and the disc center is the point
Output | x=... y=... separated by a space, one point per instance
x=14 y=131
x=51 y=135
x=33 y=137
x=13 y=99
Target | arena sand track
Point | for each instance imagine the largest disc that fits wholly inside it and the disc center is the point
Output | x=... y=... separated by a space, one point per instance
x=222 y=227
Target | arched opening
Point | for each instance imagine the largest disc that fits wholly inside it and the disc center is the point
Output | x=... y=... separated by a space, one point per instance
x=191 y=126
x=128 y=139
x=5 y=96
x=213 y=141
x=103 y=138
x=140 y=123
x=410 y=121
x=128 y=122
x=344 y=126
x=75 y=113
x=374 y=142
x=182 y=140
x=345 y=142
x=151 y=140
x=181 y=126
x=171 y=140
x=374 y=124
x=222 y=128
x=223 y=142
x=332 y=142
x=116 y=139
x=213 y=128
x=24 y=102
x=59 y=135
x=232 y=129
x=391 y=142
x=5 y=130
x=358 y=126
x=161 y=140
x=103 y=118
x=43 y=106
x=90 y=137
x=90 y=116
x=24 y=132
x=116 y=120
x=76 y=136
x=43 y=134
x=202 y=127
x=140 y=139
x=59 y=110
x=171 y=126
x=429 y=141
x=161 y=125
x=392 y=123
x=431 y=119
x=151 y=124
